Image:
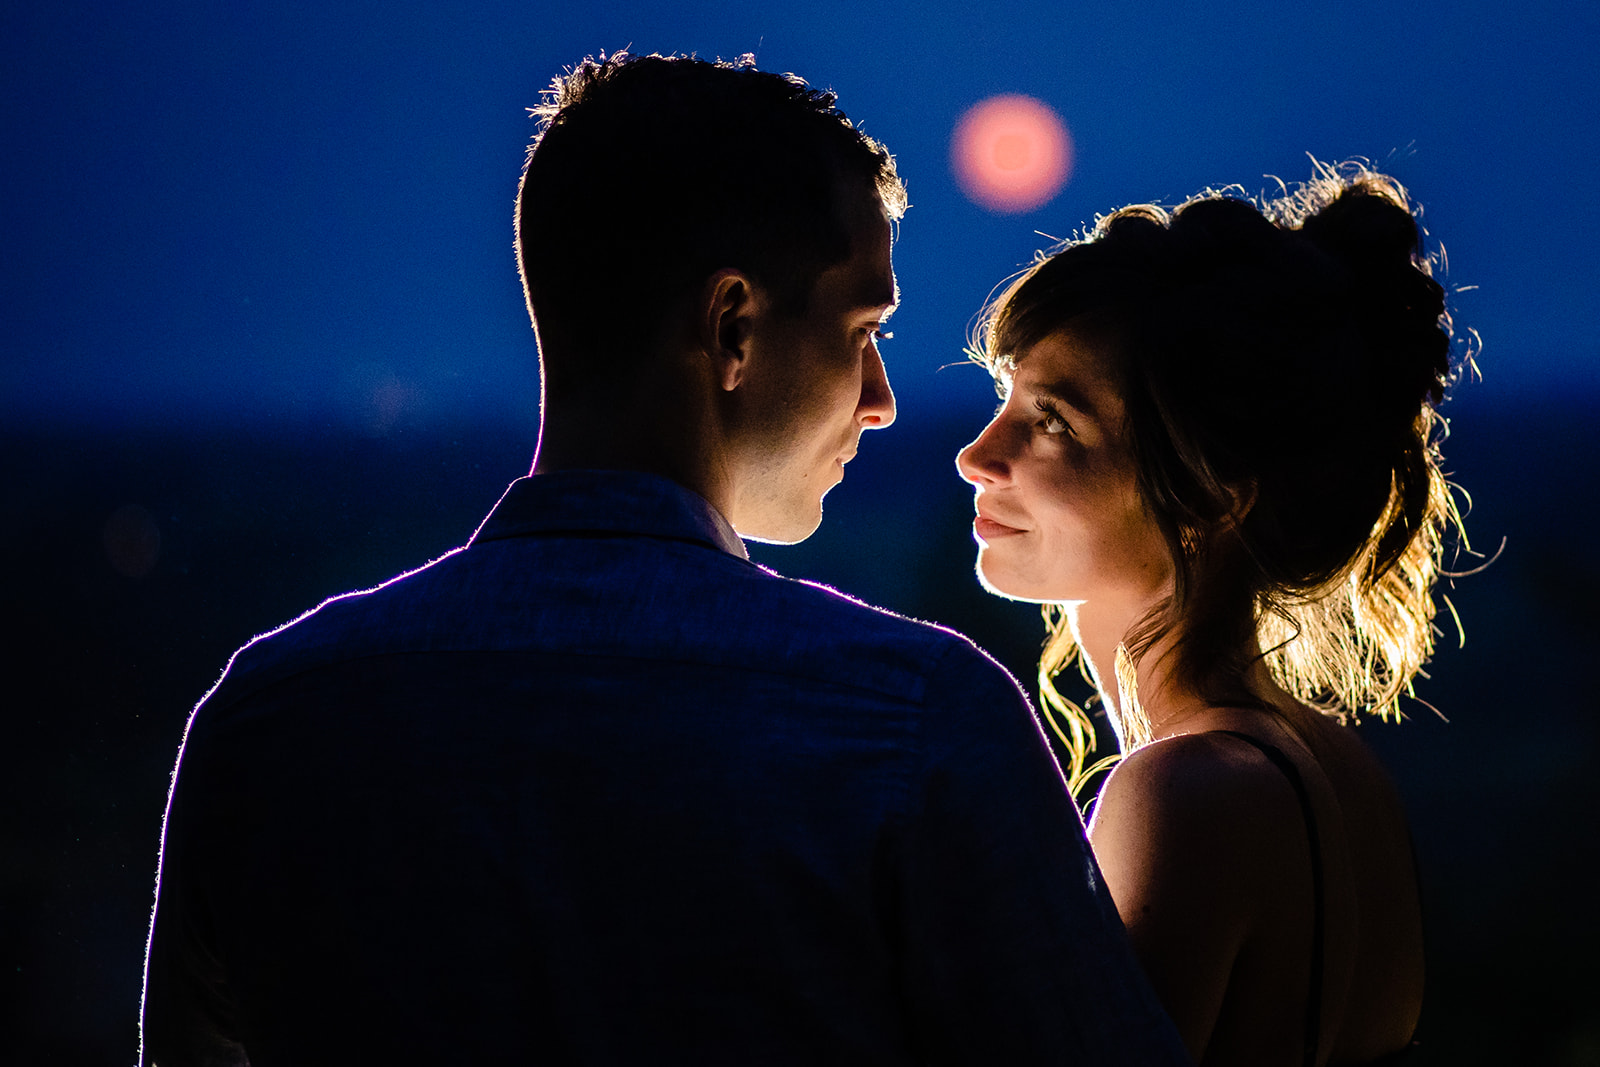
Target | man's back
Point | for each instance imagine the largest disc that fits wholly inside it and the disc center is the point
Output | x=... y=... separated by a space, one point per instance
x=598 y=788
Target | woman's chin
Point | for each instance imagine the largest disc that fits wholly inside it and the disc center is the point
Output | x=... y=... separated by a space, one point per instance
x=1010 y=586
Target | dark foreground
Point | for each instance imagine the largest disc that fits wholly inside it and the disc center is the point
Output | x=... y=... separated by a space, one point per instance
x=136 y=561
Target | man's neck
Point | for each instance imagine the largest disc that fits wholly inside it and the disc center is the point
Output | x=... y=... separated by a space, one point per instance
x=654 y=428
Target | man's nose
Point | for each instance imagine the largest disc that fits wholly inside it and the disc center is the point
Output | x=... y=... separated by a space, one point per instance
x=876 y=409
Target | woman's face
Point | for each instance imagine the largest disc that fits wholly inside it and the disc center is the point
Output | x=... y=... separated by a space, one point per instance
x=1060 y=517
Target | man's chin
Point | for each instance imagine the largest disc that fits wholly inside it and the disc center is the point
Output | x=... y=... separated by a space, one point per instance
x=787 y=530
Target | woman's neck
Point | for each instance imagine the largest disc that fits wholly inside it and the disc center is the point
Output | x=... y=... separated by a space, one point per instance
x=1166 y=704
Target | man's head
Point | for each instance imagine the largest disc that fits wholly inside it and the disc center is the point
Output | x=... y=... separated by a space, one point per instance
x=797 y=391
x=650 y=173
x=672 y=205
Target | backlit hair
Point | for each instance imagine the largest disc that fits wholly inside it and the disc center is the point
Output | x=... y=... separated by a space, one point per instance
x=1281 y=362
x=650 y=173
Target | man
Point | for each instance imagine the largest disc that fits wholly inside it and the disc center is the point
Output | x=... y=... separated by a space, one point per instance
x=595 y=788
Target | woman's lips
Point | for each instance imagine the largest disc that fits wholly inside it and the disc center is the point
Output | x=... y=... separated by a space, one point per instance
x=989 y=530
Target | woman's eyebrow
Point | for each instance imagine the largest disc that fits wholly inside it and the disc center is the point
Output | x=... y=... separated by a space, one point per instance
x=1068 y=393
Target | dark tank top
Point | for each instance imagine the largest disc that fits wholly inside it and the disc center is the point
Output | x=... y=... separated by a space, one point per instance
x=1313 y=1024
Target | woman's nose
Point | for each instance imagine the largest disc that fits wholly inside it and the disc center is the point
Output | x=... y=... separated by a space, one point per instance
x=982 y=462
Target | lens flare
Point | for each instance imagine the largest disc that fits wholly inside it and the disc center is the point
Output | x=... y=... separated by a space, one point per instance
x=1011 y=153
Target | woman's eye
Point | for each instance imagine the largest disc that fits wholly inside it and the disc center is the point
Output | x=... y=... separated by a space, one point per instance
x=1050 y=420
x=881 y=334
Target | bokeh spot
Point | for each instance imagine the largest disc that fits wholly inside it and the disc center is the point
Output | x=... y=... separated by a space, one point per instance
x=1011 y=153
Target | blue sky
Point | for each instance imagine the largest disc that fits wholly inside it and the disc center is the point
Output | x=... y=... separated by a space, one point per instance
x=295 y=213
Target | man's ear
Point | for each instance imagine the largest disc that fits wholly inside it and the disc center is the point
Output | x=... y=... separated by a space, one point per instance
x=730 y=303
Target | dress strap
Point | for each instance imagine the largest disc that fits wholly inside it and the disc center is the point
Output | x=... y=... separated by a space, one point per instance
x=1314 y=997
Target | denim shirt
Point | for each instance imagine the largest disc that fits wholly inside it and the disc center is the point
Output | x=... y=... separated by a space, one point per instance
x=597 y=789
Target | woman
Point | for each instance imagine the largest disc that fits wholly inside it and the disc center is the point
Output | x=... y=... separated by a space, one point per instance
x=1216 y=465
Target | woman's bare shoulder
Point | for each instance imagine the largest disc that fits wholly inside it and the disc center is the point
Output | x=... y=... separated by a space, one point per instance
x=1191 y=833
x=1197 y=810
x=1202 y=777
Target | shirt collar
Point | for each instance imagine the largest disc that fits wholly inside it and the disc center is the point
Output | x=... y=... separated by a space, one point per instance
x=608 y=501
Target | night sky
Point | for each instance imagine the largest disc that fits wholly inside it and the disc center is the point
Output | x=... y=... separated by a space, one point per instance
x=258 y=287
x=218 y=211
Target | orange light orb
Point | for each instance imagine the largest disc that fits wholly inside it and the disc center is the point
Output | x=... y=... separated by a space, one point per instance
x=1011 y=153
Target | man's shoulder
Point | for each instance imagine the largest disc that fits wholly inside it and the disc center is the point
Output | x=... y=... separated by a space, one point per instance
x=814 y=601
x=352 y=625
x=622 y=599
x=824 y=632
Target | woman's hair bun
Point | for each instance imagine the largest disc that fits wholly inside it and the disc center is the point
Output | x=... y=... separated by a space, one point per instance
x=1368 y=228
x=1367 y=224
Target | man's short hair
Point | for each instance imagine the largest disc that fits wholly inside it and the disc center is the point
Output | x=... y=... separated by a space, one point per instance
x=650 y=173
